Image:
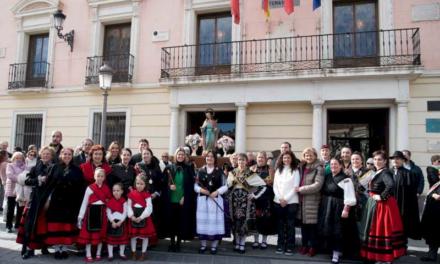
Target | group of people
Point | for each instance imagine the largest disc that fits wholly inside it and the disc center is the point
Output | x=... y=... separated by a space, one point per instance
x=343 y=205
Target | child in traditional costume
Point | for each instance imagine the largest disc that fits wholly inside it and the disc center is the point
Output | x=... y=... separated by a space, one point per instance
x=140 y=208
x=92 y=219
x=117 y=234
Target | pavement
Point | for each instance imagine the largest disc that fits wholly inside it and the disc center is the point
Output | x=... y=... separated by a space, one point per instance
x=10 y=254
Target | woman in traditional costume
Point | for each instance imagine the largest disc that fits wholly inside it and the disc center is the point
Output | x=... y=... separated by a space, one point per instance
x=180 y=201
x=264 y=204
x=66 y=184
x=210 y=186
x=33 y=227
x=245 y=186
x=381 y=229
x=336 y=219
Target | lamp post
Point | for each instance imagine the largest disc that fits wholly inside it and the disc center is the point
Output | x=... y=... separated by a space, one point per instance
x=105 y=83
x=59 y=18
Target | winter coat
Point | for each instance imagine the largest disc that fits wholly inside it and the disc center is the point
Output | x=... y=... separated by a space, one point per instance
x=12 y=172
x=309 y=190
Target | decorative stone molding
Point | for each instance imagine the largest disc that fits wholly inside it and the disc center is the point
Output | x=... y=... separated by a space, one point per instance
x=107 y=12
x=35 y=16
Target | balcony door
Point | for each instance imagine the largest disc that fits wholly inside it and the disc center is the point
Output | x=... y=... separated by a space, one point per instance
x=117 y=50
x=214 y=50
x=37 y=61
x=355 y=25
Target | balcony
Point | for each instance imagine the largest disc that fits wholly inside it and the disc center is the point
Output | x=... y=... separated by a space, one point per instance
x=28 y=75
x=383 y=49
x=122 y=65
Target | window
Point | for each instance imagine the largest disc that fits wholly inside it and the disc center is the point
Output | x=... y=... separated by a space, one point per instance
x=117 y=50
x=115 y=128
x=28 y=130
x=214 y=38
x=37 y=66
x=355 y=28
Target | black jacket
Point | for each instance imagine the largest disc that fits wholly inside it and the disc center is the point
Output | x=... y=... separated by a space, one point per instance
x=432 y=175
x=382 y=184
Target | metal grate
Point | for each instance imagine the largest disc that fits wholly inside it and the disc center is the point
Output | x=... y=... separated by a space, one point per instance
x=26 y=75
x=115 y=128
x=122 y=64
x=28 y=130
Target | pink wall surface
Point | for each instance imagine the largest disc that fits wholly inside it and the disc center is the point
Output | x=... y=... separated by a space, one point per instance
x=168 y=15
x=429 y=30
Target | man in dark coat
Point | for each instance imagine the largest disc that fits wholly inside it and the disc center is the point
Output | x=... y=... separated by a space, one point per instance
x=57 y=137
x=405 y=191
x=136 y=158
x=410 y=165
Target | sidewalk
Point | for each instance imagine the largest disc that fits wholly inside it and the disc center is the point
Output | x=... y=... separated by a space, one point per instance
x=10 y=254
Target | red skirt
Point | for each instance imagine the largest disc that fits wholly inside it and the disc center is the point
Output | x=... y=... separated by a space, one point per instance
x=148 y=231
x=61 y=234
x=36 y=239
x=93 y=237
x=117 y=239
x=385 y=241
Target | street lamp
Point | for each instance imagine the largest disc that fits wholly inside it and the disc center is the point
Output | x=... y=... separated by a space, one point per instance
x=105 y=83
x=59 y=18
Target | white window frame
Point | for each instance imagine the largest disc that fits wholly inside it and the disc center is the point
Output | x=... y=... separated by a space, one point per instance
x=103 y=13
x=112 y=110
x=15 y=115
x=35 y=21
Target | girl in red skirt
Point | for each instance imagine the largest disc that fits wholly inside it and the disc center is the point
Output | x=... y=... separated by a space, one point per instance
x=116 y=214
x=381 y=231
x=92 y=219
x=140 y=209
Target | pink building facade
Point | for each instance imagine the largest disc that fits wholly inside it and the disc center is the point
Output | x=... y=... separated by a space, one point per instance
x=364 y=73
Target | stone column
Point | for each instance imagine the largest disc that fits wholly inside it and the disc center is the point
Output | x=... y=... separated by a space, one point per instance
x=240 y=128
x=174 y=128
x=402 y=125
x=317 y=129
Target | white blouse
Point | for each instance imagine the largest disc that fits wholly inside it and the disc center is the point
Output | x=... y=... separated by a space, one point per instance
x=117 y=215
x=147 y=211
x=284 y=185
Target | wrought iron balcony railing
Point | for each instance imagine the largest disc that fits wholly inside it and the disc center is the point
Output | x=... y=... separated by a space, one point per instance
x=361 y=49
x=122 y=65
x=28 y=75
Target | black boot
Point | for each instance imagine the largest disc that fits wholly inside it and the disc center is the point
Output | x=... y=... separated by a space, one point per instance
x=432 y=254
x=28 y=254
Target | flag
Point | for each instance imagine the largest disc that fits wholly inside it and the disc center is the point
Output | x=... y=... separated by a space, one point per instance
x=316 y=4
x=235 y=11
x=266 y=8
x=288 y=6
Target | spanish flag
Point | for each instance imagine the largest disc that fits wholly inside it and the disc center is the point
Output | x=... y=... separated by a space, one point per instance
x=288 y=6
x=266 y=8
x=235 y=11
